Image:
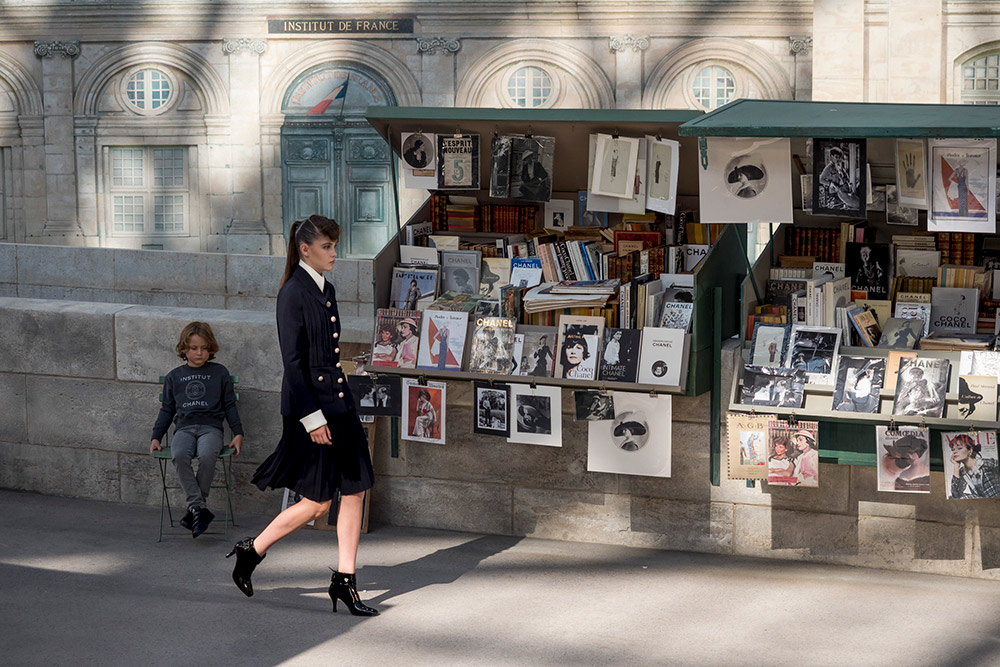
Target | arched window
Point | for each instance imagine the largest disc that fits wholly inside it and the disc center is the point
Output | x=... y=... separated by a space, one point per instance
x=713 y=87
x=147 y=91
x=529 y=87
x=981 y=80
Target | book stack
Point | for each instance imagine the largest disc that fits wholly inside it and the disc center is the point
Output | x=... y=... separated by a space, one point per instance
x=460 y=218
x=821 y=243
x=957 y=247
x=569 y=294
x=508 y=218
x=943 y=341
x=957 y=275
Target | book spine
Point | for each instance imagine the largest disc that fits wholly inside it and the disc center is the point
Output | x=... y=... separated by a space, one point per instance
x=565 y=267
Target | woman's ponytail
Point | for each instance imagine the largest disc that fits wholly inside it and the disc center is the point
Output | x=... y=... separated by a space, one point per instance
x=307 y=231
x=292 y=258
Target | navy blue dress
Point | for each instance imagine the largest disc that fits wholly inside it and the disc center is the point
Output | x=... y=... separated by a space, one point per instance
x=308 y=334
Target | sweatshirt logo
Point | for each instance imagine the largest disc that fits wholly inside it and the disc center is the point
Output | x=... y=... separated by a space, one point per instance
x=194 y=390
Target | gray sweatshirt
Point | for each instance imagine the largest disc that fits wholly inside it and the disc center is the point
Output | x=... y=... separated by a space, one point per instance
x=198 y=397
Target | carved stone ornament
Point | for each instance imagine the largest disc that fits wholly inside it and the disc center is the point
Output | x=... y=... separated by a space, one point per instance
x=619 y=44
x=797 y=45
x=65 y=49
x=430 y=46
x=308 y=150
x=244 y=45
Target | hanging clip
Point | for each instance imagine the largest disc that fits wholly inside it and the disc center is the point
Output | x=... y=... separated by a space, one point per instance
x=458 y=133
x=602 y=389
x=792 y=420
x=528 y=134
x=652 y=393
x=491 y=381
x=659 y=135
x=422 y=380
x=534 y=385
x=893 y=429
x=615 y=134
x=373 y=376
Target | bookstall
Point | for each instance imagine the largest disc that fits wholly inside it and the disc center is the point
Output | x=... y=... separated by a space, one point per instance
x=471 y=217
x=869 y=323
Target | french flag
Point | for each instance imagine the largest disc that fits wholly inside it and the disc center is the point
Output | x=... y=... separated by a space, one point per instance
x=338 y=93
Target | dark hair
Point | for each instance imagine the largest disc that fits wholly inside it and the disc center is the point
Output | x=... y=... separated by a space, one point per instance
x=964 y=440
x=423 y=393
x=571 y=340
x=197 y=329
x=307 y=231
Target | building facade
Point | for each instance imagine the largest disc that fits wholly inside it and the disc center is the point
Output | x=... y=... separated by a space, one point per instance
x=211 y=126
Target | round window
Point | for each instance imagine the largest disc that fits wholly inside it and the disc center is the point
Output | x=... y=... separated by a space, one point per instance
x=713 y=87
x=148 y=90
x=529 y=87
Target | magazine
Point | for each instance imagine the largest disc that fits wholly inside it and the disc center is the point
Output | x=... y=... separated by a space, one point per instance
x=970 y=464
x=859 y=381
x=921 y=385
x=792 y=453
x=397 y=338
x=746 y=436
x=413 y=288
x=904 y=459
x=442 y=337
x=458 y=162
x=492 y=345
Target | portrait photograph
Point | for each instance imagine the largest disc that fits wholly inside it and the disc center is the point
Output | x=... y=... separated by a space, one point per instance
x=903 y=455
x=500 y=149
x=579 y=347
x=637 y=441
x=970 y=464
x=921 y=387
x=537 y=351
x=460 y=271
x=895 y=212
x=812 y=349
x=531 y=163
x=620 y=355
x=859 y=381
x=491 y=415
x=747 y=180
x=377 y=395
x=558 y=214
x=418 y=152
x=593 y=404
x=423 y=411
x=536 y=415
x=963 y=191
x=792 y=453
x=775 y=387
x=396 y=339
x=840 y=183
x=870 y=268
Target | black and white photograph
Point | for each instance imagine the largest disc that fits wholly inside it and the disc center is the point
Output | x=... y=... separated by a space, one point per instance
x=775 y=387
x=492 y=413
x=747 y=180
x=418 y=150
x=615 y=161
x=637 y=441
x=620 y=355
x=769 y=344
x=492 y=345
x=869 y=266
x=578 y=352
x=458 y=162
x=921 y=386
x=896 y=213
x=379 y=395
x=460 y=271
x=558 y=214
x=901 y=333
x=536 y=415
x=500 y=166
x=911 y=173
x=531 y=161
x=970 y=464
x=586 y=216
x=662 y=159
x=538 y=351
x=812 y=349
x=840 y=184
x=904 y=459
x=592 y=404
x=859 y=381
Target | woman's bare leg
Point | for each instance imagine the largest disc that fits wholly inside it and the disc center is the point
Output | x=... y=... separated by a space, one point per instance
x=293 y=518
x=349 y=531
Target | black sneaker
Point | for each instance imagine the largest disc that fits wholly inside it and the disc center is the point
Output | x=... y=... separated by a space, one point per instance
x=187 y=521
x=202 y=517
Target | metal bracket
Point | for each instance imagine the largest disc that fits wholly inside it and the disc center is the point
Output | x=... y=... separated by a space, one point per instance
x=703 y=149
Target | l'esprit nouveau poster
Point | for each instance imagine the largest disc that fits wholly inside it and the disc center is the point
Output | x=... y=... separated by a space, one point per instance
x=747 y=180
x=458 y=162
x=963 y=186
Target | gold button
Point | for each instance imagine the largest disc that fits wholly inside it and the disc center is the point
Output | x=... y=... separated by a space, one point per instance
x=340 y=395
x=336 y=350
x=328 y=304
x=338 y=364
x=340 y=380
x=320 y=378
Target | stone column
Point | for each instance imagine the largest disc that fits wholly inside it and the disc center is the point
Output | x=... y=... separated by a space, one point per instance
x=247 y=233
x=57 y=103
x=628 y=70
x=839 y=50
x=32 y=179
x=215 y=184
x=914 y=45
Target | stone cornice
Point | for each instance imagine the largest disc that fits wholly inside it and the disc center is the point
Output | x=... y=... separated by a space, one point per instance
x=431 y=46
x=254 y=45
x=619 y=44
x=50 y=49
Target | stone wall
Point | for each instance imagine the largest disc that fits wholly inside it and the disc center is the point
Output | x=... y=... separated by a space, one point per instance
x=78 y=383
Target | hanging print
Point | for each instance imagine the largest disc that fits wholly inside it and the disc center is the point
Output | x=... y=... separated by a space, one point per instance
x=963 y=190
x=423 y=411
x=840 y=177
x=747 y=180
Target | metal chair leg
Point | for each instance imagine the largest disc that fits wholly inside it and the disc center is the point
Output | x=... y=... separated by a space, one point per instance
x=164 y=499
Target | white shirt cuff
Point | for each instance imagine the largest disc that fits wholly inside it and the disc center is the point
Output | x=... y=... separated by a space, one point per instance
x=313 y=421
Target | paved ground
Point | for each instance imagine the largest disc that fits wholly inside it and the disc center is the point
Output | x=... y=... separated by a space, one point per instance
x=86 y=583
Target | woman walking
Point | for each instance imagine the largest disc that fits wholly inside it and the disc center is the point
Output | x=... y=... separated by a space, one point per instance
x=315 y=403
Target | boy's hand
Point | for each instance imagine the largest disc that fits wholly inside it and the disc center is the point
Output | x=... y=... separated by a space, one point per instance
x=154 y=446
x=237 y=444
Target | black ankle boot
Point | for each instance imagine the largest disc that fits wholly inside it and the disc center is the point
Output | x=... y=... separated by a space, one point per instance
x=247 y=559
x=344 y=587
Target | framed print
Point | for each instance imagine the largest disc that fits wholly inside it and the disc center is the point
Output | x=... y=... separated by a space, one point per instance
x=593 y=405
x=747 y=180
x=458 y=162
x=746 y=435
x=423 y=411
x=536 y=415
x=615 y=162
x=419 y=160
x=840 y=177
x=769 y=344
x=963 y=185
x=637 y=441
x=377 y=395
x=491 y=415
x=911 y=172
x=662 y=158
x=812 y=349
x=558 y=214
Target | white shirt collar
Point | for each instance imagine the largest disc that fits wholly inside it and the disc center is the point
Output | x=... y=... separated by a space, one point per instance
x=317 y=277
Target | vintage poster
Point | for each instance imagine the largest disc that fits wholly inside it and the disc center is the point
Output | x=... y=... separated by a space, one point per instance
x=774 y=387
x=418 y=151
x=536 y=415
x=615 y=162
x=921 y=386
x=840 y=181
x=491 y=415
x=423 y=411
x=747 y=180
x=377 y=395
x=859 y=382
x=662 y=159
x=963 y=190
x=593 y=405
x=970 y=464
x=637 y=441
x=458 y=162
x=911 y=173
x=904 y=459
x=442 y=340
x=531 y=161
x=746 y=435
x=793 y=453
x=413 y=288
x=397 y=338
x=812 y=349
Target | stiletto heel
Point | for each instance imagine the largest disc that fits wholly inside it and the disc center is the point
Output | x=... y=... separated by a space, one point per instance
x=343 y=587
x=247 y=559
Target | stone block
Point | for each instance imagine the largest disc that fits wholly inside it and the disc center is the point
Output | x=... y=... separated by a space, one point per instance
x=171 y=299
x=366 y=291
x=575 y=516
x=67 y=293
x=425 y=503
x=682 y=526
x=57 y=338
x=258 y=303
x=253 y=275
x=832 y=495
x=8 y=263
x=345 y=279
x=249 y=244
x=690 y=471
x=63 y=266
x=916 y=546
x=8 y=290
x=13 y=416
x=145 y=337
x=357 y=329
x=60 y=471
x=696 y=409
x=260 y=412
x=95 y=414
x=193 y=273
x=382 y=460
x=768 y=533
x=220 y=182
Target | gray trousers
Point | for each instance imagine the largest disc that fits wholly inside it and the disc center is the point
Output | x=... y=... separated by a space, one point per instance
x=203 y=443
